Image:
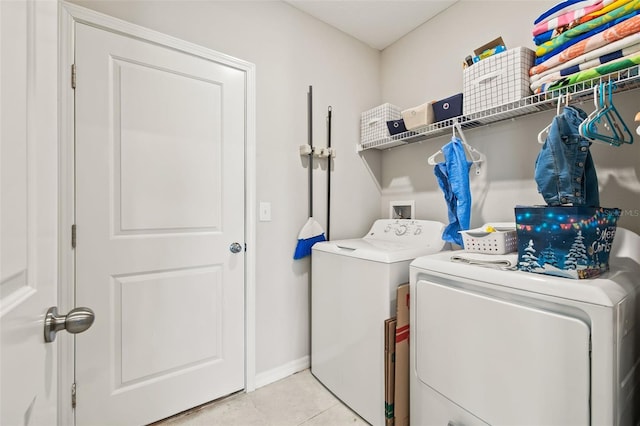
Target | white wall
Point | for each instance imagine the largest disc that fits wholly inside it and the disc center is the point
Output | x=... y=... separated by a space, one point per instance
x=291 y=51
x=426 y=65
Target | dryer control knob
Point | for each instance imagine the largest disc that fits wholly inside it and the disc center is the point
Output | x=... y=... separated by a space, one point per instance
x=401 y=230
x=418 y=231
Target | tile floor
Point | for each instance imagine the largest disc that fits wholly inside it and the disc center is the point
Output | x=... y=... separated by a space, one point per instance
x=296 y=400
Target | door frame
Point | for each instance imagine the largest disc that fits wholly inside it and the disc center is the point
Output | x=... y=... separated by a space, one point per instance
x=68 y=15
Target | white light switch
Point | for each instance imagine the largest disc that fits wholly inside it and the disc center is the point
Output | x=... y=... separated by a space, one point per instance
x=265 y=211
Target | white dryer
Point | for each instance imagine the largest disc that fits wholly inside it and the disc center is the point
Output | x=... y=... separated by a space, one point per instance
x=495 y=347
x=353 y=291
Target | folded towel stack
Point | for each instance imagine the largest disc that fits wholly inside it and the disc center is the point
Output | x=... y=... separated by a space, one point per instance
x=578 y=40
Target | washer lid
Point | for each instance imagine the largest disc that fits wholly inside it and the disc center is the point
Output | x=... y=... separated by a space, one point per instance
x=390 y=241
x=377 y=250
x=606 y=290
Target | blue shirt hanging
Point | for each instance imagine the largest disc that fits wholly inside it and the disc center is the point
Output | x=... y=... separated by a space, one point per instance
x=453 y=178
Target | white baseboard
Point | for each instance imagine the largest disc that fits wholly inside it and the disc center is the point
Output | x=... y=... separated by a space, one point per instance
x=278 y=373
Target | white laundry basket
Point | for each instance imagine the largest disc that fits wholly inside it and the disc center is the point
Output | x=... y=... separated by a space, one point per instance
x=502 y=240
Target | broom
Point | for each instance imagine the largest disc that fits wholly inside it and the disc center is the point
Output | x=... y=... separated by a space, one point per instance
x=311 y=232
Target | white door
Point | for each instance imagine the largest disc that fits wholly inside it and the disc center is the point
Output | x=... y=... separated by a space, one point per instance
x=159 y=164
x=28 y=211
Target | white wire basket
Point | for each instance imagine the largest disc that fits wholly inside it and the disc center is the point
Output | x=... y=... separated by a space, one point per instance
x=501 y=238
x=373 y=124
x=497 y=80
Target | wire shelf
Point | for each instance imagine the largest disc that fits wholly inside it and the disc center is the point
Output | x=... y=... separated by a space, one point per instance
x=626 y=79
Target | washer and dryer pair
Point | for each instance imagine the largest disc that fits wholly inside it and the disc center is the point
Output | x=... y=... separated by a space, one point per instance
x=495 y=347
x=487 y=346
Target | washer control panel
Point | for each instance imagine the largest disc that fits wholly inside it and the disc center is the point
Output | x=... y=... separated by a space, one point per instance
x=406 y=230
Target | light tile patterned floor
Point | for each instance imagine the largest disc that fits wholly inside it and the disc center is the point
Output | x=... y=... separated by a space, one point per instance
x=296 y=400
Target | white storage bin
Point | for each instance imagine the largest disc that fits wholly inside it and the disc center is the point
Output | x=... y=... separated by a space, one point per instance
x=373 y=125
x=497 y=80
x=419 y=116
x=502 y=240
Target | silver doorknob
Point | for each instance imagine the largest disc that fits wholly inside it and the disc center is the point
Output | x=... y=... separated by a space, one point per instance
x=76 y=321
x=235 y=248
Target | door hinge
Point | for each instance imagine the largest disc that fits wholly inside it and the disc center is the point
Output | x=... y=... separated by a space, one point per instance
x=73 y=76
x=73 y=395
x=73 y=236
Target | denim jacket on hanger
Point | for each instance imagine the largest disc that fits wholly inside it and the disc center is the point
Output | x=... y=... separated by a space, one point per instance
x=564 y=169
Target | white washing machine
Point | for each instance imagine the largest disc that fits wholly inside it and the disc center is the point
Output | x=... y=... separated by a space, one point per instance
x=495 y=347
x=353 y=291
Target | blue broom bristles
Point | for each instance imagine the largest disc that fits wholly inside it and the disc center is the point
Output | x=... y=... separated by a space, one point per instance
x=310 y=234
x=303 y=248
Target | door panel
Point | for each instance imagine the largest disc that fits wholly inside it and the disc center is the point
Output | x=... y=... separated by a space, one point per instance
x=28 y=220
x=194 y=294
x=186 y=146
x=159 y=199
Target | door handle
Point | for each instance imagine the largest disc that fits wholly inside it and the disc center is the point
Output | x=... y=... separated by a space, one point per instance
x=235 y=248
x=76 y=321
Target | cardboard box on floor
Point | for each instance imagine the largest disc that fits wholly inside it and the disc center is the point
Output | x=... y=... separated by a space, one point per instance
x=401 y=393
x=389 y=369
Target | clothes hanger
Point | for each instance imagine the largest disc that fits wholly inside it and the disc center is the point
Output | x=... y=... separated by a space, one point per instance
x=432 y=159
x=619 y=126
x=563 y=100
x=583 y=128
x=611 y=115
x=477 y=160
x=588 y=126
x=606 y=117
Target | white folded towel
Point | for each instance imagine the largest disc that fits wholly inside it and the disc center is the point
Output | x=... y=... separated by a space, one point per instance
x=507 y=262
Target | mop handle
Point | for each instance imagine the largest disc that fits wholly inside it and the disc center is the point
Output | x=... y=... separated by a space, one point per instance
x=329 y=173
x=310 y=120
